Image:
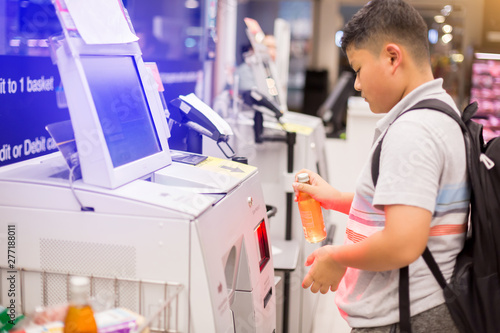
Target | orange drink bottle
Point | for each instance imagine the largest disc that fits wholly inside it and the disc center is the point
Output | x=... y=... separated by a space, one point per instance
x=310 y=214
x=80 y=316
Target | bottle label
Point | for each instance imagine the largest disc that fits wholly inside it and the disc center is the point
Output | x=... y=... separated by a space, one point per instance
x=312 y=220
x=307 y=218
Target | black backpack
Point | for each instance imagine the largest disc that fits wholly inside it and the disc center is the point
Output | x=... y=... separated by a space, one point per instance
x=473 y=293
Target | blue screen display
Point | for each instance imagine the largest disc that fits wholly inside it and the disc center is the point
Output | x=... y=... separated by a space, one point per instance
x=122 y=107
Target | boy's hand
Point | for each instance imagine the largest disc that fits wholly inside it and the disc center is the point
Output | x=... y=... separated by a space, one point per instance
x=325 y=273
x=324 y=193
x=319 y=189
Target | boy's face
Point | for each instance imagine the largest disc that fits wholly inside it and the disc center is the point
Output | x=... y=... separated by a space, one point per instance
x=374 y=79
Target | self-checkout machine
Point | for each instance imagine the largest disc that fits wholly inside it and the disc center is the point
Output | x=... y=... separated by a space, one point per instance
x=280 y=143
x=151 y=234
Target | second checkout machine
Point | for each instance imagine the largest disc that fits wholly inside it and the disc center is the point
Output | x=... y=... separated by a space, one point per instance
x=280 y=143
x=184 y=244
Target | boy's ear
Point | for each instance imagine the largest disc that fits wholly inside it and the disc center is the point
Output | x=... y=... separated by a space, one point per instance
x=394 y=54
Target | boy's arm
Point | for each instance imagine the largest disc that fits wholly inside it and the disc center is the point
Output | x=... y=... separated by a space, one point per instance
x=400 y=243
x=343 y=203
x=324 y=193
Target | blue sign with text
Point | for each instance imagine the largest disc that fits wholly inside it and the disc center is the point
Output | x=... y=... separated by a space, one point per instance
x=30 y=98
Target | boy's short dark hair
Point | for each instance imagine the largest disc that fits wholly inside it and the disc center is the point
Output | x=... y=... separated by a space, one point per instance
x=388 y=21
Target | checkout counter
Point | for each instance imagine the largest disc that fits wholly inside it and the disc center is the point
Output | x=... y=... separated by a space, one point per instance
x=213 y=244
x=184 y=244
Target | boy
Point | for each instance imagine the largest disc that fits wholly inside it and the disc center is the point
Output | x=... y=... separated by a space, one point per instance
x=422 y=195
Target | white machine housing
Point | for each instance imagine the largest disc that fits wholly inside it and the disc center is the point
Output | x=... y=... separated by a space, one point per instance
x=144 y=231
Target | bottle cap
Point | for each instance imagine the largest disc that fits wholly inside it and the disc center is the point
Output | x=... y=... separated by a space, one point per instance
x=79 y=286
x=79 y=283
x=303 y=177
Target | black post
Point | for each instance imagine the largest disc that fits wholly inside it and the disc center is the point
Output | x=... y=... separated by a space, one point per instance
x=290 y=142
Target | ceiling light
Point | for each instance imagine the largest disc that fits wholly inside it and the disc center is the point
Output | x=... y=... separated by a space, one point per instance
x=439 y=19
x=447 y=28
x=433 y=36
x=457 y=57
x=338 y=38
x=485 y=56
x=447 y=38
x=446 y=11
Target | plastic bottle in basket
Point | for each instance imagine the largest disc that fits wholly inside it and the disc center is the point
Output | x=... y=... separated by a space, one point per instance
x=80 y=316
x=310 y=214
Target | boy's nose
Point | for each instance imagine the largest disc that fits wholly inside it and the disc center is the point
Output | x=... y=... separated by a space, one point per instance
x=357 y=85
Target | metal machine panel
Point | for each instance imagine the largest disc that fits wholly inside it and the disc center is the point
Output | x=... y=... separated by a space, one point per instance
x=271 y=159
x=233 y=223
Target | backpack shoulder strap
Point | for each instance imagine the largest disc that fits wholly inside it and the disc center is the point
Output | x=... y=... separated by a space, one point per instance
x=404 y=281
x=433 y=104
